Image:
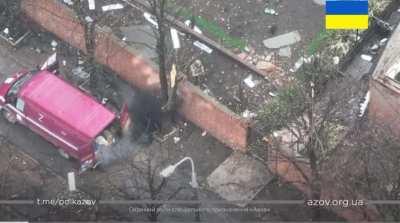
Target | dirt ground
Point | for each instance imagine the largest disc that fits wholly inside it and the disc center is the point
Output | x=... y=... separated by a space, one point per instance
x=244 y=22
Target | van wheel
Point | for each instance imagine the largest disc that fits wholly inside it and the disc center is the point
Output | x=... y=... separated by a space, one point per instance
x=10 y=117
x=63 y=154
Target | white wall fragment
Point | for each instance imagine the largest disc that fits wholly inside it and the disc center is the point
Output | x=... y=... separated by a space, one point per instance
x=364 y=105
x=203 y=47
x=71 y=181
x=50 y=61
x=112 y=7
x=92 y=4
x=150 y=18
x=175 y=38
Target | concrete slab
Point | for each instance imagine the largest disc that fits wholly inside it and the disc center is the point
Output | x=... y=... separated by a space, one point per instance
x=239 y=178
x=285 y=52
x=282 y=40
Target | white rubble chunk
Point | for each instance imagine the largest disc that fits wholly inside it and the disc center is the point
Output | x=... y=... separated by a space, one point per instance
x=364 y=105
x=68 y=2
x=151 y=19
x=92 y=4
x=175 y=38
x=366 y=57
x=112 y=7
x=250 y=82
x=203 y=47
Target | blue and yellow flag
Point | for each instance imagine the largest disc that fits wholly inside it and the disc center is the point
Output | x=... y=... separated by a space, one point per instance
x=346 y=14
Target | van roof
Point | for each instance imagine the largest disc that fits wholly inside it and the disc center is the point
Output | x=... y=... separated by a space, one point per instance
x=67 y=103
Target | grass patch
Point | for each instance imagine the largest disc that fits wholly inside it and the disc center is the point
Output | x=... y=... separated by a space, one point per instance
x=214 y=30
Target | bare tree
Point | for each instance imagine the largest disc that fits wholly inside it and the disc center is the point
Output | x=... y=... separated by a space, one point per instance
x=88 y=19
x=158 y=9
x=305 y=124
x=370 y=166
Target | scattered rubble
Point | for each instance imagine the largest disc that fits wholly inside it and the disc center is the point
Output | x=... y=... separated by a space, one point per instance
x=266 y=66
x=270 y=11
x=197 y=68
x=248 y=114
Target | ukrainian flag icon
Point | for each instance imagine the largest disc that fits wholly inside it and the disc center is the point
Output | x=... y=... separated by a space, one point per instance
x=346 y=14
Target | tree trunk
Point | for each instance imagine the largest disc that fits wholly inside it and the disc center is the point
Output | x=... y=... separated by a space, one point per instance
x=159 y=10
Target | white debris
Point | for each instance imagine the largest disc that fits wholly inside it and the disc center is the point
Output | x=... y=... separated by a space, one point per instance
x=197 y=68
x=374 y=47
x=203 y=47
x=124 y=38
x=366 y=57
x=383 y=41
x=92 y=4
x=248 y=114
x=68 y=2
x=195 y=28
x=272 y=94
x=299 y=63
x=151 y=19
x=364 y=105
x=176 y=140
x=336 y=60
x=282 y=40
x=88 y=19
x=270 y=11
x=80 y=73
x=393 y=71
x=64 y=63
x=175 y=38
x=204 y=133
x=54 y=43
x=71 y=181
x=9 y=80
x=6 y=31
x=50 y=61
x=112 y=7
x=250 y=82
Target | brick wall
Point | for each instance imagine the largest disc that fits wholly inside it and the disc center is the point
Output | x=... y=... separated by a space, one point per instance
x=197 y=107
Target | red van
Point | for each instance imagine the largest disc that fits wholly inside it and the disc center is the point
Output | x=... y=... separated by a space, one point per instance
x=70 y=119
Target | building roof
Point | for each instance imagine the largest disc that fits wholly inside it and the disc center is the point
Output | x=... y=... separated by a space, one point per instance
x=390 y=58
x=67 y=103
